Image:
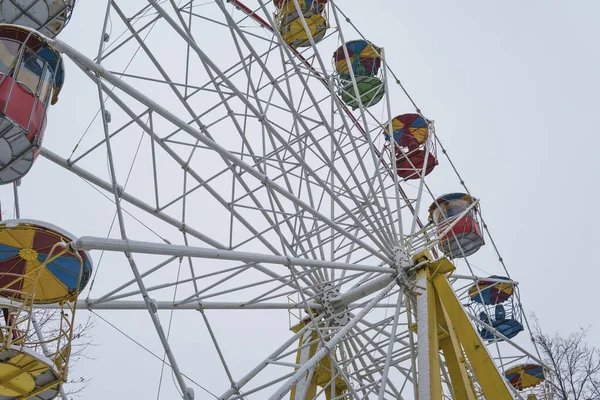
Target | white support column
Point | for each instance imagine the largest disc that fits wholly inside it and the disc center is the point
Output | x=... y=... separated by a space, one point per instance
x=424 y=369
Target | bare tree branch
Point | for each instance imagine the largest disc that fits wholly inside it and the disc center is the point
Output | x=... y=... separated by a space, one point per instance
x=83 y=339
x=575 y=371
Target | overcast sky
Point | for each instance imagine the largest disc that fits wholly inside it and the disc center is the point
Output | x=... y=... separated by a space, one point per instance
x=513 y=88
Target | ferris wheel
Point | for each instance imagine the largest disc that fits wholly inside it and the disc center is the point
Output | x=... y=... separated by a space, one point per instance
x=253 y=183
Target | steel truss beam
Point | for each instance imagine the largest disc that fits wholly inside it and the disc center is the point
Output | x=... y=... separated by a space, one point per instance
x=95 y=243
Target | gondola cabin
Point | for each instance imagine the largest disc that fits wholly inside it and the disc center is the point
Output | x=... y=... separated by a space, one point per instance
x=493 y=302
x=500 y=322
x=415 y=154
x=496 y=290
x=48 y=17
x=525 y=376
x=364 y=60
x=280 y=3
x=290 y=24
x=32 y=253
x=364 y=57
x=459 y=232
x=369 y=89
x=37 y=266
x=31 y=76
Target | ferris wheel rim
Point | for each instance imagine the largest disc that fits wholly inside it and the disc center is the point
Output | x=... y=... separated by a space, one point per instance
x=370 y=223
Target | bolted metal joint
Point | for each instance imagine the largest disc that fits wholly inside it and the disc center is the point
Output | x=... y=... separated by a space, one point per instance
x=334 y=311
x=401 y=260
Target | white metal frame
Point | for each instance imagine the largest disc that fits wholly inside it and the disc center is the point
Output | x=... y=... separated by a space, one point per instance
x=314 y=196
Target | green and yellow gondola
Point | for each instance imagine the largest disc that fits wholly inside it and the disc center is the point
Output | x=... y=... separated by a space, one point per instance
x=289 y=21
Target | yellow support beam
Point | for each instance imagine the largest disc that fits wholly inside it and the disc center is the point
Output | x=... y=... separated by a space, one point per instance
x=323 y=372
x=450 y=332
x=492 y=383
x=462 y=385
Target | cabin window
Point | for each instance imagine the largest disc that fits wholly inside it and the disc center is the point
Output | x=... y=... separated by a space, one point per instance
x=455 y=209
x=438 y=215
x=30 y=71
x=449 y=210
x=9 y=54
x=45 y=85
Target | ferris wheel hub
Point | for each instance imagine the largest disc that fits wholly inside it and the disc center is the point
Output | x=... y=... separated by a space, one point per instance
x=401 y=260
x=335 y=311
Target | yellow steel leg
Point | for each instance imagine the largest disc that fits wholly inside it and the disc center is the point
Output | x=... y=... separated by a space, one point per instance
x=443 y=324
x=492 y=383
x=302 y=356
x=462 y=386
x=322 y=374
